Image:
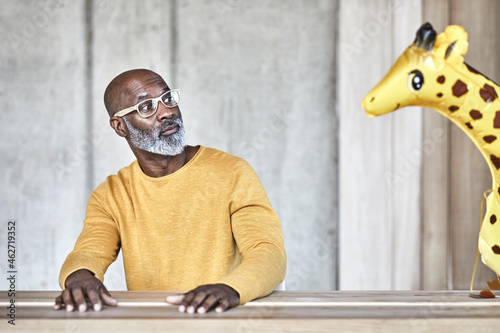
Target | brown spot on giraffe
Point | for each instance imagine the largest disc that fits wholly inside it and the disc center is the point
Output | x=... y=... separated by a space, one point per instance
x=475 y=114
x=498 y=190
x=441 y=79
x=496 y=121
x=459 y=88
x=491 y=90
x=469 y=125
x=493 y=219
x=439 y=95
x=453 y=108
x=496 y=249
x=496 y=161
x=489 y=138
x=488 y=93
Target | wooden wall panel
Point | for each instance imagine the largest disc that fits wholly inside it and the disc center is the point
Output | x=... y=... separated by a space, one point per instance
x=42 y=136
x=470 y=176
x=125 y=35
x=381 y=156
x=258 y=82
x=408 y=150
x=365 y=154
x=445 y=257
x=435 y=262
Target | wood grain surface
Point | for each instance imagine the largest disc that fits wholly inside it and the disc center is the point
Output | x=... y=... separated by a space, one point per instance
x=376 y=311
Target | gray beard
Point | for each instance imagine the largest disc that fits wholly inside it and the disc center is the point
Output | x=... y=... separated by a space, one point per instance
x=152 y=141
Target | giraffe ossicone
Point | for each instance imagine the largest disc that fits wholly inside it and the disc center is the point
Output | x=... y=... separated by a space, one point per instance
x=431 y=72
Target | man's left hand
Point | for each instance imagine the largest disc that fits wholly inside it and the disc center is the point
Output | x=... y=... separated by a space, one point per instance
x=205 y=298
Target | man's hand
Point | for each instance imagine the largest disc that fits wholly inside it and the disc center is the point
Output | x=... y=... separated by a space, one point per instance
x=80 y=286
x=205 y=298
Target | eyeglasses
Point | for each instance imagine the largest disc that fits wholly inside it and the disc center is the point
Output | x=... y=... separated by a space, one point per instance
x=149 y=107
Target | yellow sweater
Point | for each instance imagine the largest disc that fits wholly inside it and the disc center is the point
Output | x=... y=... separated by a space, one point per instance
x=209 y=222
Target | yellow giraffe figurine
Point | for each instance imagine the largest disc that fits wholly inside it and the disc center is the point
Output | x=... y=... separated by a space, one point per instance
x=432 y=73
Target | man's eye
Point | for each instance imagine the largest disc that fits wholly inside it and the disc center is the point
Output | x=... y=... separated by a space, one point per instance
x=146 y=106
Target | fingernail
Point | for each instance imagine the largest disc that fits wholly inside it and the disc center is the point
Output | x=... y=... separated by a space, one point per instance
x=191 y=309
x=97 y=307
x=56 y=307
x=219 y=310
x=182 y=308
x=69 y=308
x=201 y=310
x=82 y=307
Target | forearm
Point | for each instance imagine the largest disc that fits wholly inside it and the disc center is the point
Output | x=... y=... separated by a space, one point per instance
x=96 y=247
x=259 y=273
x=78 y=261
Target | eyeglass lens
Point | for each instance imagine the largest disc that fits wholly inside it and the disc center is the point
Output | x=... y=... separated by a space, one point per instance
x=149 y=107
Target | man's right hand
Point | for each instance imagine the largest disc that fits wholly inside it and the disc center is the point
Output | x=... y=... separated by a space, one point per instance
x=80 y=286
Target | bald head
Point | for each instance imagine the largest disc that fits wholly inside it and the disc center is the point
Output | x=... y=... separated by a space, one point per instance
x=122 y=90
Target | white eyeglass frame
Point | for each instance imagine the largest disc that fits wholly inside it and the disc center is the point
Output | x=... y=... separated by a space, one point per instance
x=126 y=111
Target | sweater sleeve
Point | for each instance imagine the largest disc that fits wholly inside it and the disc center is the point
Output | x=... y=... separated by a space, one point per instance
x=258 y=235
x=98 y=244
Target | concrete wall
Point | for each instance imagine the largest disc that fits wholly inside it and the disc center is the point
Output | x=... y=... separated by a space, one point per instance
x=278 y=83
x=257 y=80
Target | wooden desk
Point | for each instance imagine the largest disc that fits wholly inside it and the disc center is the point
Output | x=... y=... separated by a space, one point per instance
x=283 y=311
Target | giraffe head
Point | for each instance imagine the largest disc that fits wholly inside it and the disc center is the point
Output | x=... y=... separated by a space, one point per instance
x=414 y=77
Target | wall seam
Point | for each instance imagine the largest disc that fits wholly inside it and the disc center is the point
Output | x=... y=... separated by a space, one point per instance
x=449 y=243
x=422 y=189
x=89 y=64
x=393 y=189
x=336 y=147
x=173 y=43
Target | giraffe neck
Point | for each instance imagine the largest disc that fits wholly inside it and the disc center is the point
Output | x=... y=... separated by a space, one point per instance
x=470 y=100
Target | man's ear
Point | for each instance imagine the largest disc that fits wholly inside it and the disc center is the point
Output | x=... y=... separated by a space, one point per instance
x=118 y=124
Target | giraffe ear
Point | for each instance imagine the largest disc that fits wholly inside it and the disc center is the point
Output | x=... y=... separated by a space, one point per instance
x=457 y=48
x=452 y=44
x=426 y=36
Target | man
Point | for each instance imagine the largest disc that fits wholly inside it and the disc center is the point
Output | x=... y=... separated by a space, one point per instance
x=185 y=217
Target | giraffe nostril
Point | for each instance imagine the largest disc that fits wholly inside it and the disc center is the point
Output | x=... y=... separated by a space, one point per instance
x=371 y=100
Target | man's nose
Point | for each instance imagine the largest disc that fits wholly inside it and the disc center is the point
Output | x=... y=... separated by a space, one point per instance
x=165 y=113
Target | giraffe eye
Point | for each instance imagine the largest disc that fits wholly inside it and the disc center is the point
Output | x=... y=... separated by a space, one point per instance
x=415 y=80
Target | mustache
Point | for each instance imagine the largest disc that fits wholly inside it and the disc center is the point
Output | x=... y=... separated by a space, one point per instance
x=170 y=122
